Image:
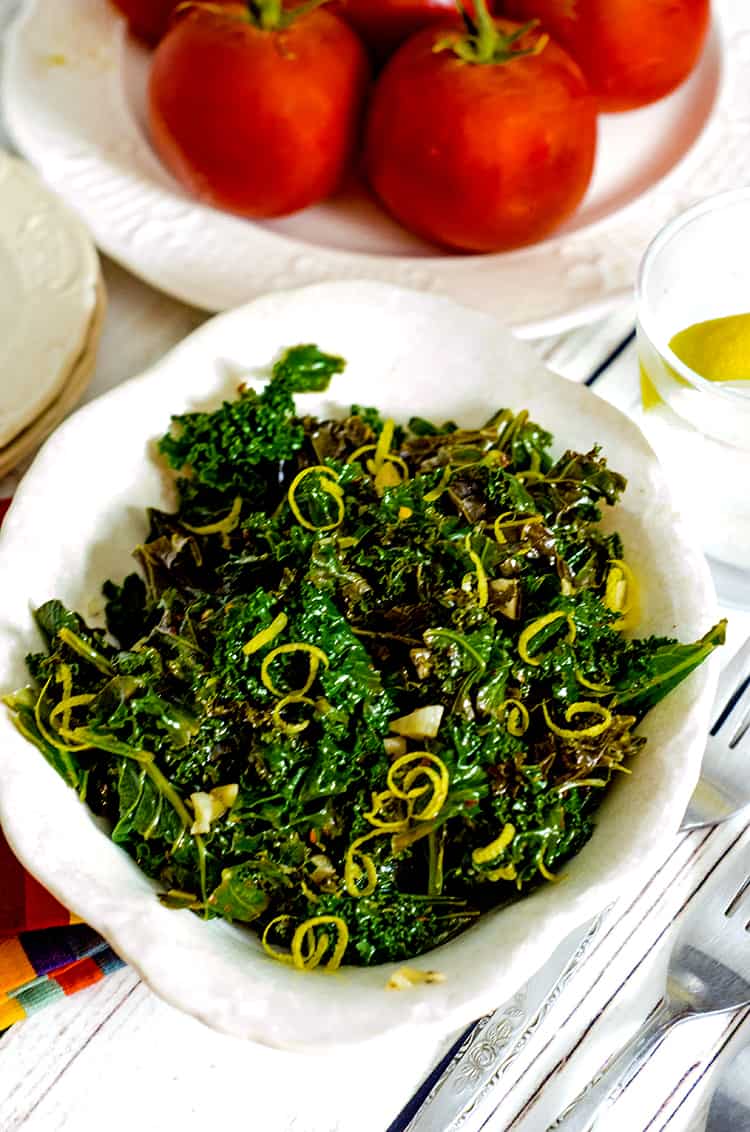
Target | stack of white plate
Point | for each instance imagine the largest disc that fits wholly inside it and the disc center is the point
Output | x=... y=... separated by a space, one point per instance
x=51 y=310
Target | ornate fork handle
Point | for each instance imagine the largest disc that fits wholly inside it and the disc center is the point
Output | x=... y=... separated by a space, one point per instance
x=616 y=1074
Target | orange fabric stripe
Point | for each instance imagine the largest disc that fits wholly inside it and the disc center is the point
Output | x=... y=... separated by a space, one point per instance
x=78 y=975
x=15 y=968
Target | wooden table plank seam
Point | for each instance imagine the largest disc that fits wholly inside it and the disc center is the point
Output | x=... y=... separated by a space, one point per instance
x=116 y=1009
x=41 y=1077
x=611 y=358
x=736 y=1022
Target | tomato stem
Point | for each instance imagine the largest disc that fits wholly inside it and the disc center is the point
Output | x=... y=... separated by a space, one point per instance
x=270 y=15
x=265 y=13
x=484 y=42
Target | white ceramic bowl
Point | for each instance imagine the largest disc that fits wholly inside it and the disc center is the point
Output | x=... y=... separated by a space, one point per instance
x=80 y=510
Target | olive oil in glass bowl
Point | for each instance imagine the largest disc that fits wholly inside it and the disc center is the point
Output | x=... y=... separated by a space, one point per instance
x=694 y=353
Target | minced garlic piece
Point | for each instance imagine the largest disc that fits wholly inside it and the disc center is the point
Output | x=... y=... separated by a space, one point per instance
x=208 y=807
x=408 y=977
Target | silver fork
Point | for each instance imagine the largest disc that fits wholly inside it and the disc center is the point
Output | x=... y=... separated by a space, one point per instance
x=708 y=973
x=724 y=786
x=730 y=1105
x=458 y=1092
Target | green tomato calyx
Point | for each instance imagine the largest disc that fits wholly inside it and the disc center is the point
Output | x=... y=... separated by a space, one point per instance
x=484 y=42
x=271 y=15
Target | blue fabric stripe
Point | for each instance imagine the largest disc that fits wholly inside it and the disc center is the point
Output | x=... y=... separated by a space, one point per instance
x=108 y=962
x=56 y=947
x=43 y=991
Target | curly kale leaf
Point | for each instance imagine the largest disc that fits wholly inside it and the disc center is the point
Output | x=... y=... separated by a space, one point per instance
x=223 y=449
x=305 y=369
x=653 y=667
x=576 y=486
x=126 y=611
x=52 y=616
x=241 y=895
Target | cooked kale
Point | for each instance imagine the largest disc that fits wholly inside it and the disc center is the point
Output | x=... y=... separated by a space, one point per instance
x=369 y=678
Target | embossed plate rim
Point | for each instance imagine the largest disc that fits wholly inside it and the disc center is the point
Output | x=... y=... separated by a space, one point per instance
x=169 y=241
x=50 y=282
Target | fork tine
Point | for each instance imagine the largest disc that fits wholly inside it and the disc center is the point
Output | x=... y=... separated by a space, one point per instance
x=724 y=786
x=732 y=683
x=737 y=899
x=733 y=699
x=733 y=718
x=739 y=735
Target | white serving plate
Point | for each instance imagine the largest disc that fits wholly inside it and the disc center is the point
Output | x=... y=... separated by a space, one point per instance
x=74 y=94
x=80 y=510
x=49 y=292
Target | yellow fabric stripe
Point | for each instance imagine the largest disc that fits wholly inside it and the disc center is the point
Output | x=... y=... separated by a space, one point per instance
x=15 y=968
x=10 y=1013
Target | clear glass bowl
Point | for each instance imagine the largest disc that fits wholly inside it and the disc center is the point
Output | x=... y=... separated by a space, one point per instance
x=698 y=268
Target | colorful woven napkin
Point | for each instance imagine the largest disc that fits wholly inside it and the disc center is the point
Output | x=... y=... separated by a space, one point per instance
x=44 y=952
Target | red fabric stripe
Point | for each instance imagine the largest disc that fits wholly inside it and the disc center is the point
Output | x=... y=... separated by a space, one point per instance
x=42 y=910
x=12 y=891
x=24 y=904
x=78 y=975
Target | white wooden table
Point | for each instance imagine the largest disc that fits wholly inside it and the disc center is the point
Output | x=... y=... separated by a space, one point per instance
x=117 y=1057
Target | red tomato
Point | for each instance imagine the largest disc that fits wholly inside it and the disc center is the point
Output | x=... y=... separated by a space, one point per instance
x=147 y=19
x=384 y=24
x=631 y=51
x=261 y=121
x=481 y=156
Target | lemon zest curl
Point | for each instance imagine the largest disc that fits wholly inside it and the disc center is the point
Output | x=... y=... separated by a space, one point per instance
x=328 y=483
x=582 y=707
x=317 y=657
x=536 y=627
x=306 y=952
